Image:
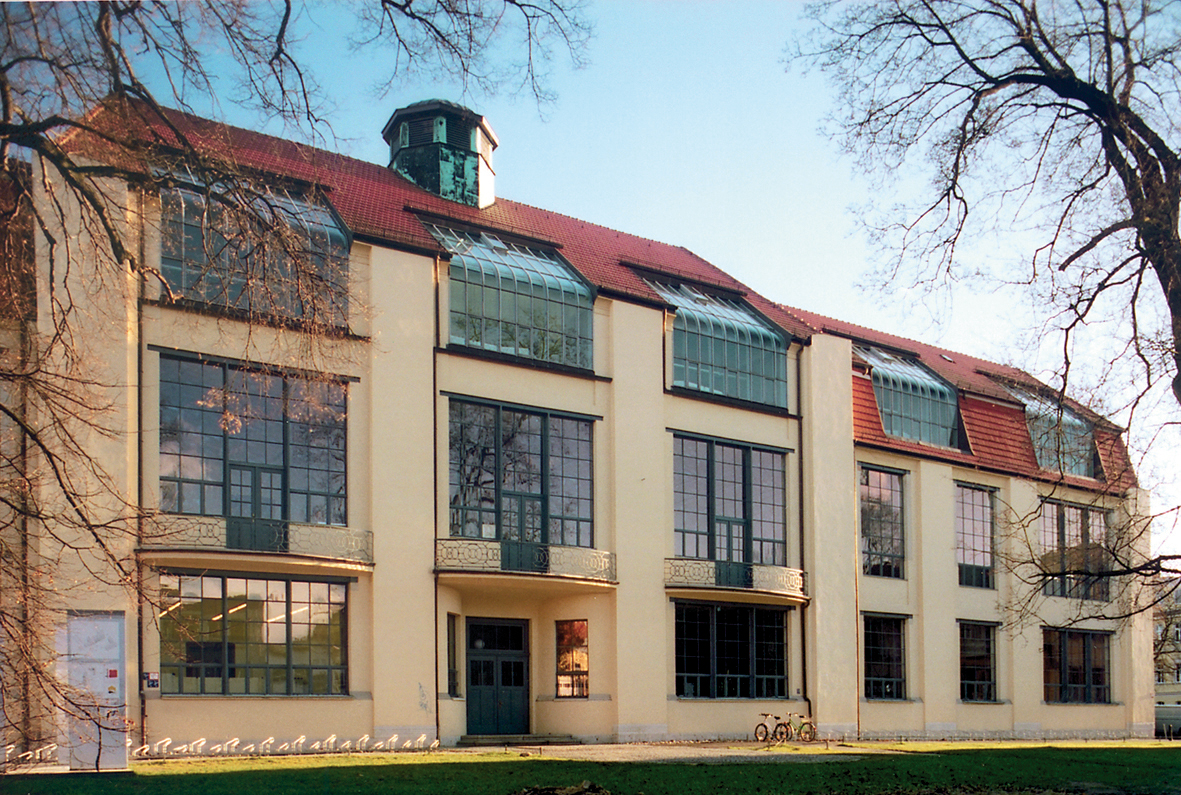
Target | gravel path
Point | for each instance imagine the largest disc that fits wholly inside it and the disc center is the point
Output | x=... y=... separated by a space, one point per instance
x=681 y=752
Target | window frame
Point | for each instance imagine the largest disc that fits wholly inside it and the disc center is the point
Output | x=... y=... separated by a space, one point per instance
x=977 y=689
x=212 y=437
x=913 y=402
x=1056 y=551
x=884 y=662
x=312 y=219
x=971 y=543
x=227 y=662
x=766 y=548
x=1055 y=661
x=532 y=282
x=569 y=676
x=766 y=674
x=501 y=497
x=884 y=562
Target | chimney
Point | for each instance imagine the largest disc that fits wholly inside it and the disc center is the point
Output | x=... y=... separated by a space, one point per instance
x=444 y=148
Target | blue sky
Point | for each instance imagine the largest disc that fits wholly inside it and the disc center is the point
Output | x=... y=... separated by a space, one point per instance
x=686 y=127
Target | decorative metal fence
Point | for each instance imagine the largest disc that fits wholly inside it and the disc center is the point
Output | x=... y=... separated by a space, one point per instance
x=711 y=574
x=317 y=540
x=473 y=554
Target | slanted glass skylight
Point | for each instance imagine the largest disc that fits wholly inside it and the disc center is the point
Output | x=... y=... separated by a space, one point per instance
x=1062 y=440
x=722 y=347
x=516 y=299
x=914 y=403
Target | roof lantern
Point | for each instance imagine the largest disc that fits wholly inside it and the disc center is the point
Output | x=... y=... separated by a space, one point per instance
x=445 y=148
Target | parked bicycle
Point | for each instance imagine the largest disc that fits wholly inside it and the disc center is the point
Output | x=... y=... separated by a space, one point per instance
x=771 y=726
x=800 y=727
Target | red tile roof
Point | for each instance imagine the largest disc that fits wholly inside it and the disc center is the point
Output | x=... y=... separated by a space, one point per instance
x=380 y=205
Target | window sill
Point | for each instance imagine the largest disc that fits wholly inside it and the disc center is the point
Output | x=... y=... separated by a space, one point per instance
x=709 y=397
x=521 y=361
x=865 y=700
x=252 y=697
x=996 y=703
x=1083 y=703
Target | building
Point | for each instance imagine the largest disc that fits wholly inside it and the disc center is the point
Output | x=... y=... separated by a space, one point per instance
x=1166 y=646
x=484 y=469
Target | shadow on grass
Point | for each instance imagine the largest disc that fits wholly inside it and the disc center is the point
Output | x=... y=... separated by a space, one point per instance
x=1072 y=769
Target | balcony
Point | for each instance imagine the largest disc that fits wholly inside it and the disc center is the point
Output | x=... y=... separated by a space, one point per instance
x=709 y=574
x=238 y=535
x=478 y=555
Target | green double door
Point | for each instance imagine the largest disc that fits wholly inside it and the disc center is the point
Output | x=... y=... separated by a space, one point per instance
x=497 y=676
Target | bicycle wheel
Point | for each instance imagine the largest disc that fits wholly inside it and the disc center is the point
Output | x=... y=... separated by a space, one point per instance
x=782 y=732
x=761 y=732
x=806 y=732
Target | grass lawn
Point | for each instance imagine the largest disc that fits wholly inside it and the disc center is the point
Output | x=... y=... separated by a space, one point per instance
x=919 y=768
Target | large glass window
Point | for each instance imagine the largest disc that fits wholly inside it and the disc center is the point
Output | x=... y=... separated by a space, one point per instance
x=517 y=299
x=730 y=651
x=977 y=661
x=256 y=447
x=885 y=657
x=728 y=502
x=720 y=346
x=252 y=635
x=520 y=475
x=573 y=649
x=914 y=403
x=1062 y=440
x=1076 y=666
x=974 y=535
x=883 y=536
x=285 y=256
x=1073 y=551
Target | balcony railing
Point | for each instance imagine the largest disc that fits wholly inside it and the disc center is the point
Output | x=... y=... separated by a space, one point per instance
x=691 y=573
x=474 y=554
x=210 y=533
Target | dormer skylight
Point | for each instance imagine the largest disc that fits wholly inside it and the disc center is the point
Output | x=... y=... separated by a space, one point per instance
x=520 y=300
x=722 y=347
x=914 y=403
x=1062 y=440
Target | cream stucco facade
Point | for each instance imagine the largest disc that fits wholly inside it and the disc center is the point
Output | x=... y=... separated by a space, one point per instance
x=407 y=656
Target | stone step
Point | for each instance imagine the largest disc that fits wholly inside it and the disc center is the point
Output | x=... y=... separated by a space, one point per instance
x=476 y=740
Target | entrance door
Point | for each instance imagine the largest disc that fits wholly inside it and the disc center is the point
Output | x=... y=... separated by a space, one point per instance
x=498 y=676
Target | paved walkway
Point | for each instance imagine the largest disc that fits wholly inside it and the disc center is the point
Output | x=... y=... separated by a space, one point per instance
x=698 y=753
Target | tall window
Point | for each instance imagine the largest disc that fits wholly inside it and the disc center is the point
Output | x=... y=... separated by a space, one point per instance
x=289 y=258
x=974 y=535
x=517 y=299
x=520 y=475
x=252 y=635
x=1076 y=665
x=883 y=537
x=977 y=661
x=721 y=347
x=728 y=502
x=453 y=655
x=914 y=403
x=885 y=657
x=730 y=651
x=573 y=676
x=250 y=445
x=1073 y=540
x=1062 y=440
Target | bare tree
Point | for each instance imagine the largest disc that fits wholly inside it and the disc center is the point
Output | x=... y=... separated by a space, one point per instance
x=87 y=148
x=1053 y=123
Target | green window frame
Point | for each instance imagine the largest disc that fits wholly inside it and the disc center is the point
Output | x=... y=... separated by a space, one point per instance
x=277 y=254
x=730 y=651
x=977 y=661
x=1076 y=666
x=1073 y=539
x=885 y=657
x=883 y=522
x=729 y=501
x=520 y=474
x=722 y=347
x=974 y=535
x=260 y=448
x=517 y=299
x=1062 y=440
x=245 y=634
x=913 y=402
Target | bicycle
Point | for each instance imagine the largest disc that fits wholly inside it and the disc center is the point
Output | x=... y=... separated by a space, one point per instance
x=803 y=729
x=777 y=730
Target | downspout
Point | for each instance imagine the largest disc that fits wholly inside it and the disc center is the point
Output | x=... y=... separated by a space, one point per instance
x=802 y=515
x=435 y=488
x=139 y=477
x=25 y=582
